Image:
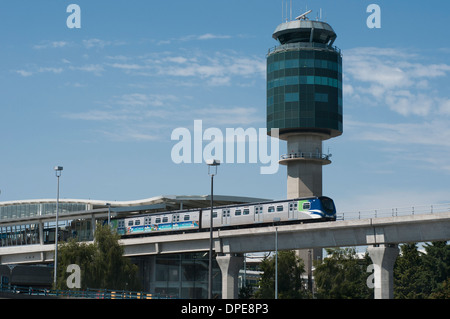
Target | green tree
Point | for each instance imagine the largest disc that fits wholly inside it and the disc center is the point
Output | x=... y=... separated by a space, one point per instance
x=410 y=278
x=101 y=263
x=342 y=275
x=73 y=252
x=420 y=275
x=436 y=262
x=442 y=291
x=290 y=283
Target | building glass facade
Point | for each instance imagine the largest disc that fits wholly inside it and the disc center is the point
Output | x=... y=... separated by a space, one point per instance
x=41 y=209
x=179 y=275
x=304 y=89
x=14 y=232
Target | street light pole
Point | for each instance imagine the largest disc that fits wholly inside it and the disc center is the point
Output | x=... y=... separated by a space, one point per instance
x=276 y=262
x=211 y=163
x=58 y=170
x=276 y=220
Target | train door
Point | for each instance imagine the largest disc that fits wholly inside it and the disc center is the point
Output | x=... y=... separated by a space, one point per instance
x=293 y=212
x=175 y=220
x=258 y=214
x=226 y=216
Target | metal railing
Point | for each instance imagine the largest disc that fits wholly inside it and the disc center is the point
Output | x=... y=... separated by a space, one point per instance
x=311 y=155
x=297 y=45
x=394 y=212
x=85 y=294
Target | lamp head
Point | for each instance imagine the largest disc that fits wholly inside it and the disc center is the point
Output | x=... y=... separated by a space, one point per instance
x=213 y=162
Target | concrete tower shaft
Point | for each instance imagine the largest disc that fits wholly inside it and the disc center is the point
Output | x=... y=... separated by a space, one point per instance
x=304 y=99
x=304 y=165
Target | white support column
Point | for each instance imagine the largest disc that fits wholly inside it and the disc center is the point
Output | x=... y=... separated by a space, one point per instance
x=41 y=233
x=230 y=266
x=383 y=257
x=93 y=226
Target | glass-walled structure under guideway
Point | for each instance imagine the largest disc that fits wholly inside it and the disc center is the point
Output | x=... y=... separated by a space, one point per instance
x=20 y=224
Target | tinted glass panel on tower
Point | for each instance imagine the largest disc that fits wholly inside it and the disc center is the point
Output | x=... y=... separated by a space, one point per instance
x=304 y=90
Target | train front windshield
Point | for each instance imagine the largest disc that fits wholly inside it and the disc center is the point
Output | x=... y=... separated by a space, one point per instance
x=327 y=205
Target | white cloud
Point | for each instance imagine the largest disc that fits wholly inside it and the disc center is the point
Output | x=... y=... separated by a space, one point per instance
x=209 y=36
x=394 y=78
x=444 y=106
x=51 y=70
x=405 y=90
x=28 y=73
x=100 y=44
x=24 y=73
x=195 y=37
x=51 y=45
x=96 y=69
x=232 y=116
x=427 y=133
x=219 y=67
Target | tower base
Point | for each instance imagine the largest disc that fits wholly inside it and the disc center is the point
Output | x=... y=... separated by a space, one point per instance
x=304 y=164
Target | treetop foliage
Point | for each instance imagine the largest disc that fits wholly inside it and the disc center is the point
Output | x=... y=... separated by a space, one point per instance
x=102 y=263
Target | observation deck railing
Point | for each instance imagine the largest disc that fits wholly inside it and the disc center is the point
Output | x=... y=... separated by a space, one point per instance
x=303 y=45
x=306 y=155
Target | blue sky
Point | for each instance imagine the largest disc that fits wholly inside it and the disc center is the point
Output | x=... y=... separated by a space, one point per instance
x=103 y=100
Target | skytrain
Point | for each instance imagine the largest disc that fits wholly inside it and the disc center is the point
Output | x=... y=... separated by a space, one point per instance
x=312 y=209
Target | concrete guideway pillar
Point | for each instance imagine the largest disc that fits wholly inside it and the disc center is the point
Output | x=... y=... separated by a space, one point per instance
x=230 y=265
x=383 y=257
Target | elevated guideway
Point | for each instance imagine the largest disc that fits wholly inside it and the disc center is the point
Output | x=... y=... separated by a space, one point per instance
x=381 y=234
x=359 y=232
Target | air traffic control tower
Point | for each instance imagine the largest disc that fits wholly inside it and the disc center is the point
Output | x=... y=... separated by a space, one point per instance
x=304 y=99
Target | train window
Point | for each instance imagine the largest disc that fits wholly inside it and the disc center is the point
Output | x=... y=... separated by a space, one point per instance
x=237 y=212
x=214 y=214
x=157 y=220
x=246 y=211
x=271 y=209
x=165 y=219
x=130 y=223
x=327 y=204
x=279 y=208
x=187 y=217
x=137 y=222
x=307 y=205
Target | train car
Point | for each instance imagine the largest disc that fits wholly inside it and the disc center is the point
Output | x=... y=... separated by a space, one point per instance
x=283 y=211
x=158 y=222
x=242 y=215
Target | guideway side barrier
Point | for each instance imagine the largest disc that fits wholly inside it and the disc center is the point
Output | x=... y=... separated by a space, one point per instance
x=86 y=294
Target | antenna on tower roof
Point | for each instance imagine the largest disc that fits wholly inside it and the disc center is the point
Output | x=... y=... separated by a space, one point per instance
x=282 y=11
x=303 y=16
x=290 y=18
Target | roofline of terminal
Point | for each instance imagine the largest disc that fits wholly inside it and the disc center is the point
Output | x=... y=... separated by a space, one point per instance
x=151 y=200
